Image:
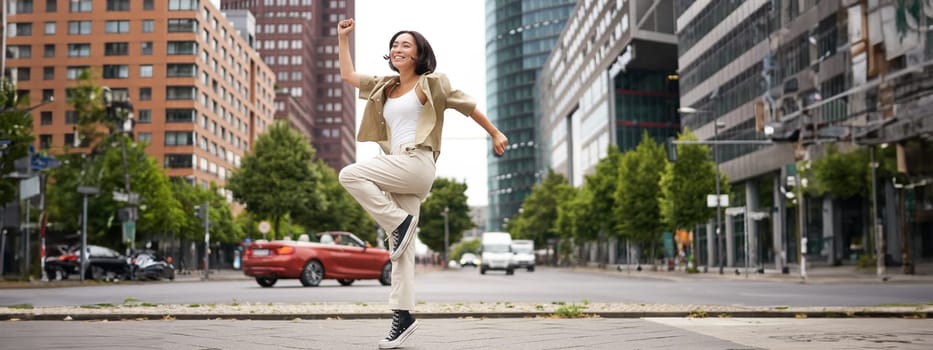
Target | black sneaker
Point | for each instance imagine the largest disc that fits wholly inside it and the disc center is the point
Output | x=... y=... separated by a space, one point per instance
x=403 y=325
x=403 y=236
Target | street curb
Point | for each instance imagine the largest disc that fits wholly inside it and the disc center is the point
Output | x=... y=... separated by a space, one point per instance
x=463 y=315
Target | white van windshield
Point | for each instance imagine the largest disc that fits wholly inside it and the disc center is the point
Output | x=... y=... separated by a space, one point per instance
x=496 y=248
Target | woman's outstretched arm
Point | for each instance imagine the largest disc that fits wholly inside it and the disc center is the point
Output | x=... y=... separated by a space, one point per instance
x=347 y=72
x=499 y=140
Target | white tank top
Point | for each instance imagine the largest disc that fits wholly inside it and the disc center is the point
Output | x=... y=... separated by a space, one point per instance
x=402 y=115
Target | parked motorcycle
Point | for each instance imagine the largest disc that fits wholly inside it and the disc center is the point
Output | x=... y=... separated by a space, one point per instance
x=146 y=265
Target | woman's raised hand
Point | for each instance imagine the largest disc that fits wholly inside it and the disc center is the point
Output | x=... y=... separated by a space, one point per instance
x=344 y=27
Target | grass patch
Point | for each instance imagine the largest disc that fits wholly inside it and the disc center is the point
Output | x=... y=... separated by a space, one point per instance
x=539 y=307
x=21 y=306
x=697 y=314
x=558 y=303
x=360 y=303
x=570 y=311
x=194 y=305
x=130 y=300
x=781 y=307
x=149 y=305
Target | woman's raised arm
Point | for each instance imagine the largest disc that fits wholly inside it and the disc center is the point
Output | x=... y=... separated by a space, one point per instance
x=347 y=72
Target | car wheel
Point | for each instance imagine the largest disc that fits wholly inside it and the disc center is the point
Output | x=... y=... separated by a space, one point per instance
x=510 y=272
x=482 y=270
x=345 y=282
x=386 y=278
x=97 y=273
x=266 y=282
x=531 y=269
x=57 y=274
x=312 y=274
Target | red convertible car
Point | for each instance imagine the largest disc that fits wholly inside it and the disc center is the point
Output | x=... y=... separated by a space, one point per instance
x=328 y=255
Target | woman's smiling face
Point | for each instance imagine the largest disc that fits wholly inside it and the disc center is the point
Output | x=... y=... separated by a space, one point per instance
x=404 y=52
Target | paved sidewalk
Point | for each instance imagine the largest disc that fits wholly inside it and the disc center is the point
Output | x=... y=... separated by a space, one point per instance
x=531 y=333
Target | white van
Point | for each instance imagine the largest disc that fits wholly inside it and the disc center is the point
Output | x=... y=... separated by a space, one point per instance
x=497 y=252
x=523 y=251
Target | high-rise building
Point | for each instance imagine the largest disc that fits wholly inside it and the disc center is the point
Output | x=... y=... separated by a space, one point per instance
x=611 y=77
x=298 y=40
x=519 y=38
x=201 y=94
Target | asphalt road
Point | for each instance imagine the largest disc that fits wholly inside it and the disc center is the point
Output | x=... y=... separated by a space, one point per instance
x=467 y=286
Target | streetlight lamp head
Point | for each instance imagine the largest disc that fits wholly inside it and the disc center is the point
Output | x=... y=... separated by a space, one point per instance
x=687 y=110
x=720 y=124
x=769 y=130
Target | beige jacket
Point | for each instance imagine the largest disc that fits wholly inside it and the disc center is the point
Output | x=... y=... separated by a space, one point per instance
x=428 y=132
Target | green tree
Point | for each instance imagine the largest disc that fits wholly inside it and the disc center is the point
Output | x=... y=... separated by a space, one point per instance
x=450 y=194
x=537 y=219
x=637 y=194
x=470 y=246
x=278 y=178
x=338 y=210
x=16 y=127
x=685 y=184
x=159 y=211
x=223 y=227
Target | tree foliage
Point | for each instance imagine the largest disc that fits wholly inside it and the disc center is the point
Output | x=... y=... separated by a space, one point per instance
x=278 y=178
x=637 y=193
x=450 y=194
x=16 y=127
x=338 y=211
x=537 y=219
x=685 y=184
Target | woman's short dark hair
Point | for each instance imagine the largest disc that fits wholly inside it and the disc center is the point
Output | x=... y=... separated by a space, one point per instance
x=426 y=62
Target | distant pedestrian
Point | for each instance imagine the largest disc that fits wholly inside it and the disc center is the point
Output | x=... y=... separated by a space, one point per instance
x=404 y=114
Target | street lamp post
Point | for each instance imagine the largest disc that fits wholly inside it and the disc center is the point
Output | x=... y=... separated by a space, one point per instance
x=720 y=250
x=85 y=191
x=446 y=213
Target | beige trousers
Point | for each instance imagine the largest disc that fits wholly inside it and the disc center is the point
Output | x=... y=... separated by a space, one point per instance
x=391 y=187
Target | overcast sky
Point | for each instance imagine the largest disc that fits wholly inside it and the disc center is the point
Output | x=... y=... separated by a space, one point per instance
x=456 y=31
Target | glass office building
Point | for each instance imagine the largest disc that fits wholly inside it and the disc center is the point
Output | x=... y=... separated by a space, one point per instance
x=519 y=38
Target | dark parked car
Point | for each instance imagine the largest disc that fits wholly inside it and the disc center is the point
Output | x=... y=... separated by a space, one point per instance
x=331 y=255
x=103 y=263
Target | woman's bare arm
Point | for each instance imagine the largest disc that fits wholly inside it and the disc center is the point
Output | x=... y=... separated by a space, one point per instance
x=499 y=140
x=347 y=72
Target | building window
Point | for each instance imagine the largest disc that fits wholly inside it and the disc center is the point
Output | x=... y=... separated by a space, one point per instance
x=180 y=92
x=117 y=26
x=48 y=95
x=148 y=26
x=176 y=161
x=145 y=71
x=48 y=73
x=79 y=27
x=188 y=70
x=49 y=50
x=79 y=50
x=46 y=118
x=19 y=51
x=45 y=141
x=117 y=49
x=182 y=47
x=145 y=94
x=182 y=5
x=116 y=71
x=70 y=140
x=80 y=5
x=179 y=138
x=51 y=5
x=182 y=25
x=74 y=72
x=144 y=137
x=144 y=116
x=20 y=29
x=118 y=5
x=146 y=48
x=148 y=5
x=71 y=117
x=50 y=28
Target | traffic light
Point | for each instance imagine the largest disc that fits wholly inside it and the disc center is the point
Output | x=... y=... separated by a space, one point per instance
x=788 y=131
x=197 y=212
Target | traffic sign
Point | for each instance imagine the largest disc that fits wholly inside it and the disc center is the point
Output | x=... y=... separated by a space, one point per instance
x=264 y=227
